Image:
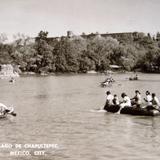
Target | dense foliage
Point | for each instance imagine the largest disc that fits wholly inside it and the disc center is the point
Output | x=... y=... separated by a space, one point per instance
x=83 y=53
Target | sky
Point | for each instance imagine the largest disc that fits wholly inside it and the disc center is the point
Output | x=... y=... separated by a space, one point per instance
x=59 y=16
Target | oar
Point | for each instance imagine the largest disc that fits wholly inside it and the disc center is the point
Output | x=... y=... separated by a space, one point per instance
x=11 y=113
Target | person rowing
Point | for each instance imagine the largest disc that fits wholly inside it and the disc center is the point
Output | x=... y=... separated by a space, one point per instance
x=6 y=110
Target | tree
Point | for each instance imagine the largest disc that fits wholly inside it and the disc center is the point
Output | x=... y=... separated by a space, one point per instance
x=44 y=57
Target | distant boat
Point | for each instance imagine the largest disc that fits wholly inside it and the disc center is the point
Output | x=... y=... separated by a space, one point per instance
x=134 y=78
x=108 y=81
x=12 y=80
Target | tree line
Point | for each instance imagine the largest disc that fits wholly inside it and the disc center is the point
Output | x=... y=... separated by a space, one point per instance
x=80 y=54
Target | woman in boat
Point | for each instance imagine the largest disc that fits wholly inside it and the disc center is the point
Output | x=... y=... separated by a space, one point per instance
x=126 y=101
x=137 y=100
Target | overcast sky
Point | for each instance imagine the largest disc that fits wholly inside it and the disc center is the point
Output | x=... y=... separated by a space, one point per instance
x=58 y=16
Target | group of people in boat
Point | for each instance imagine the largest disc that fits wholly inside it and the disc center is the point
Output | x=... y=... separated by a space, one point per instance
x=151 y=100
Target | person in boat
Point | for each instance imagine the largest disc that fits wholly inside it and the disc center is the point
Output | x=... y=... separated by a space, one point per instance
x=4 y=110
x=126 y=101
x=136 y=77
x=115 y=100
x=137 y=100
x=12 y=80
x=109 y=99
x=148 y=98
x=155 y=101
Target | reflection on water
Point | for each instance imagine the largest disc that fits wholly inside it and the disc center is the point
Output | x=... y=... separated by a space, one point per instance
x=59 y=110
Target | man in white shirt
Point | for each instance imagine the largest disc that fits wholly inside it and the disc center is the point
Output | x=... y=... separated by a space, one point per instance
x=126 y=101
x=109 y=100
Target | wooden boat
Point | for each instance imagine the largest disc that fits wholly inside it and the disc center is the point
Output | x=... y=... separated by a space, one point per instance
x=139 y=111
x=132 y=110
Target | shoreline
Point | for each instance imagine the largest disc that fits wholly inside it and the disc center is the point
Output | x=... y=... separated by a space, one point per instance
x=71 y=73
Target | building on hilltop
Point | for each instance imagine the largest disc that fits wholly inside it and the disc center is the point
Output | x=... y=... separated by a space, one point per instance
x=71 y=35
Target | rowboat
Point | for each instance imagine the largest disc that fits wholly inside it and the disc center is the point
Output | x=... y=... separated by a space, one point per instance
x=138 y=111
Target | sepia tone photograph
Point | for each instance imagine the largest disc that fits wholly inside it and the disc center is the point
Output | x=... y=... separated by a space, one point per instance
x=79 y=80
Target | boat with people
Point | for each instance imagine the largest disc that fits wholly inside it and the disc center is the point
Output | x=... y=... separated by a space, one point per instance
x=131 y=110
x=6 y=114
x=107 y=82
x=134 y=105
x=5 y=111
x=12 y=80
x=134 y=78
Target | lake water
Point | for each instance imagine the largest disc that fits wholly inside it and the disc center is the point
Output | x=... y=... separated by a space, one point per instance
x=61 y=110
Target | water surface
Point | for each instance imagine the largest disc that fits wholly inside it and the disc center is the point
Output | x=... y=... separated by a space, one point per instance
x=61 y=110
